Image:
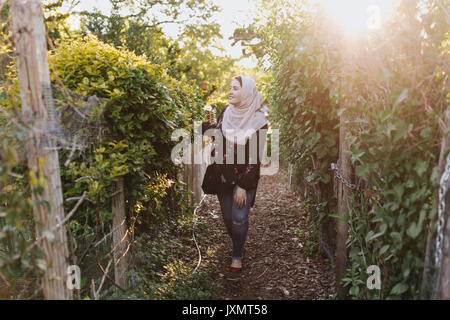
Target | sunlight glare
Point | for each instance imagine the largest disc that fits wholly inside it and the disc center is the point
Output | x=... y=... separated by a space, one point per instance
x=356 y=16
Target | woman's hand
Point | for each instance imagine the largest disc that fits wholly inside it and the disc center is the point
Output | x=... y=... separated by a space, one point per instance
x=240 y=197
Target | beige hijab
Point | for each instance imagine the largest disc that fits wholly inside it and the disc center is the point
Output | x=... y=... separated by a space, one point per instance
x=243 y=120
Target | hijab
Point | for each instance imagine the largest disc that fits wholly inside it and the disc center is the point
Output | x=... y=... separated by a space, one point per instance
x=242 y=120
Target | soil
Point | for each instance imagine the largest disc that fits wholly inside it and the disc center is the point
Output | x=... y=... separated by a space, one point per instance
x=274 y=265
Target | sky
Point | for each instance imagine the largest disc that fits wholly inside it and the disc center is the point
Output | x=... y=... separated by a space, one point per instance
x=233 y=11
x=354 y=15
x=359 y=15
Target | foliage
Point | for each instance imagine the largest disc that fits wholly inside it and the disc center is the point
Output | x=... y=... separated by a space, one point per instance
x=188 y=57
x=302 y=106
x=393 y=90
x=310 y=235
x=20 y=263
x=142 y=105
x=56 y=21
x=164 y=262
x=127 y=133
x=395 y=148
x=117 y=112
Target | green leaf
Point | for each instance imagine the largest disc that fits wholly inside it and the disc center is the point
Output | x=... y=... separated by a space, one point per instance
x=390 y=127
x=426 y=133
x=363 y=171
x=398 y=192
x=396 y=236
x=354 y=291
x=384 y=249
x=401 y=131
x=399 y=288
x=413 y=230
x=420 y=167
x=371 y=235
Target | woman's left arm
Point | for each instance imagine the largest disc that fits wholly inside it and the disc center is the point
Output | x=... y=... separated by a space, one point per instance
x=251 y=172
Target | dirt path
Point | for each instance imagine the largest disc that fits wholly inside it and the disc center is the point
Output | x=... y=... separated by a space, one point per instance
x=274 y=266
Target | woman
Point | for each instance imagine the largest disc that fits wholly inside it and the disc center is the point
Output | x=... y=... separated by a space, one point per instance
x=235 y=184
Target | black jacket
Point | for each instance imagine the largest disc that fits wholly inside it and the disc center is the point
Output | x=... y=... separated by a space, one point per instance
x=226 y=176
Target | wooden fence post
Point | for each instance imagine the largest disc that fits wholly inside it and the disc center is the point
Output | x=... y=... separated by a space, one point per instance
x=443 y=287
x=37 y=111
x=345 y=170
x=198 y=182
x=190 y=174
x=196 y=170
x=120 y=235
x=443 y=277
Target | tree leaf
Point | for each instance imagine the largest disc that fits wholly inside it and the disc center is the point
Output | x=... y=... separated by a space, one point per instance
x=399 y=288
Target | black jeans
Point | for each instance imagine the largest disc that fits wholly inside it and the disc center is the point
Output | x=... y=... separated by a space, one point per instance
x=236 y=219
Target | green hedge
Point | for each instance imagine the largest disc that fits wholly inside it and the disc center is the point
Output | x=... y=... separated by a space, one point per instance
x=395 y=94
x=128 y=134
x=141 y=106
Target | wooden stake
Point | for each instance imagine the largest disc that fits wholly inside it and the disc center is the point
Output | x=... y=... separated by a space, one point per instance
x=345 y=170
x=120 y=236
x=443 y=276
x=190 y=174
x=37 y=102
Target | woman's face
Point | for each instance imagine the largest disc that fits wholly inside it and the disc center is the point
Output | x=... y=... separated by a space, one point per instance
x=234 y=96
